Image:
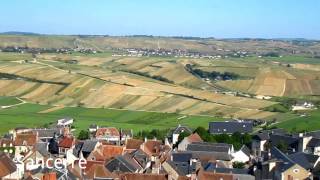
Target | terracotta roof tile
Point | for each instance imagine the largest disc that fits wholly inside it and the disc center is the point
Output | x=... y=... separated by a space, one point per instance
x=99 y=171
x=133 y=143
x=194 y=138
x=134 y=176
x=152 y=147
x=7 y=166
x=203 y=175
x=105 y=152
x=25 y=139
x=66 y=142
x=109 y=131
x=49 y=176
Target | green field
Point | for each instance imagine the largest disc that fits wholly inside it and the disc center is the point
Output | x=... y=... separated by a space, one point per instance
x=27 y=115
x=301 y=124
x=8 y=56
x=6 y=101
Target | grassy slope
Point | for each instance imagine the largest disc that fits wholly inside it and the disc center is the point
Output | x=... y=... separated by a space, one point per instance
x=27 y=115
x=299 y=124
x=5 y=101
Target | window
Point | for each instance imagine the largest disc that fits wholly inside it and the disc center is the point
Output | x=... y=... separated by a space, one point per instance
x=296 y=171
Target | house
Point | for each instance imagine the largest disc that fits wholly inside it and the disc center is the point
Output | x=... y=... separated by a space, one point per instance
x=98 y=171
x=211 y=147
x=230 y=127
x=291 y=142
x=66 y=143
x=93 y=128
x=136 y=176
x=309 y=162
x=125 y=134
x=65 y=122
x=259 y=143
x=7 y=167
x=182 y=146
x=108 y=133
x=93 y=170
x=132 y=144
x=125 y=164
x=174 y=134
x=105 y=152
x=312 y=146
x=243 y=155
x=237 y=174
x=286 y=168
x=83 y=149
x=46 y=134
x=207 y=152
x=180 y=165
x=302 y=105
x=37 y=155
x=23 y=143
x=154 y=148
x=207 y=175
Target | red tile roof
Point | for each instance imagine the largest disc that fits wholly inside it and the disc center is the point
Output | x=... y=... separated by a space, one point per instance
x=98 y=171
x=25 y=139
x=134 y=176
x=66 y=142
x=133 y=143
x=49 y=176
x=7 y=166
x=194 y=138
x=203 y=175
x=105 y=152
x=152 y=147
x=109 y=131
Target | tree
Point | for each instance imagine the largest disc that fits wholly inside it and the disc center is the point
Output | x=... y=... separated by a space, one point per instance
x=83 y=135
x=238 y=165
x=282 y=146
x=202 y=132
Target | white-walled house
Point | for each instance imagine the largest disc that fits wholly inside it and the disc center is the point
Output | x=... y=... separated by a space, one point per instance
x=303 y=106
x=182 y=146
x=243 y=155
x=65 y=122
x=177 y=131
x=259 y=142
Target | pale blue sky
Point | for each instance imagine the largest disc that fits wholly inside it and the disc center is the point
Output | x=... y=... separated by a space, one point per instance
x=204 y=18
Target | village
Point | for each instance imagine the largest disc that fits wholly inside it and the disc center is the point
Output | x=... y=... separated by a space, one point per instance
x=112 y=153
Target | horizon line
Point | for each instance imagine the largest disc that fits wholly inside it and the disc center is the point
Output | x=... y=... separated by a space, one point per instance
x=25 y=33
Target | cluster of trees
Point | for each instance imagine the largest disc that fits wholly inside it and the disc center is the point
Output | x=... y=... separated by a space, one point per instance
x=159 y=78
x=271 y=54
x=278 y=108
x=83 y=135
x=17 y=77
x=213 y=74
x=154 y=133
x=236 y=139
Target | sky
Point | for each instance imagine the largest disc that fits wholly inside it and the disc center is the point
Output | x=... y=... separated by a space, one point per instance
x=199 y=18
